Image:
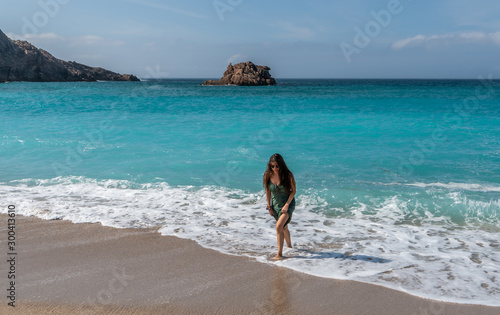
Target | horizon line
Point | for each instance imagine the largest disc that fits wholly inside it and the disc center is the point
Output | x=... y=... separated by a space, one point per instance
x=312 y=78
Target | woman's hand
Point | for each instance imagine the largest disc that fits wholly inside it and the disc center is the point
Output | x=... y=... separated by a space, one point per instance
x=285 y=208
x=270 y=210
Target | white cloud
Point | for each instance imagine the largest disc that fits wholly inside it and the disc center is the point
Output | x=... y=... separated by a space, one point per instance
x=295 y=32
x=473 y=36
x=35 y=37
x=408 y=42
x=495 y=37
x=167 y=8
x=237 y=58
x=89 y=57
x=93 y=40
x=461 y=38
x=151 y=46
x=45 y=38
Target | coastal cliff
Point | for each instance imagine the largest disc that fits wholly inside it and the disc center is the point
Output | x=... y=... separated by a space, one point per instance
x=21 y=61
x=244 y=73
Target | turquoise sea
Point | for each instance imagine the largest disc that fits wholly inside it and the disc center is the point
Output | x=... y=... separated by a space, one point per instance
x=398 y=181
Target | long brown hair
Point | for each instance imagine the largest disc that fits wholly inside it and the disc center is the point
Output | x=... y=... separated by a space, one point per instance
x=284 y=173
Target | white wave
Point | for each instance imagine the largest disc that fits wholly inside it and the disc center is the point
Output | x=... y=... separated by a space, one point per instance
x=458 y=186
x=432 y=259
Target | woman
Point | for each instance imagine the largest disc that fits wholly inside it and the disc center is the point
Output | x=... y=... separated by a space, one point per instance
x=280 y=191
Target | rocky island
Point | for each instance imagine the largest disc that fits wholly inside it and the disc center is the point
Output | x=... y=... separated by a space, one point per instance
x=21 y=61
x=244 y=73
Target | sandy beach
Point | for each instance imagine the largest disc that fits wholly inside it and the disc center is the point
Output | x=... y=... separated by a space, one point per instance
x=64 y=268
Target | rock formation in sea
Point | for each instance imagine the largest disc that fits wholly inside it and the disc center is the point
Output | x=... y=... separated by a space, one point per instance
x=244 y=73
x=21 y=61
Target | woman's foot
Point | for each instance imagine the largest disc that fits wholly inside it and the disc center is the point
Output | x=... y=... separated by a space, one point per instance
x=279 y=257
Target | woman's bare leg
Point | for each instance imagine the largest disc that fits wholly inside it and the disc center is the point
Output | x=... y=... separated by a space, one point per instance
x=280 y=234
x=286 y=233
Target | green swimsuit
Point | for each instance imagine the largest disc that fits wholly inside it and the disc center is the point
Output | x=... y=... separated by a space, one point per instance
x=278 y=199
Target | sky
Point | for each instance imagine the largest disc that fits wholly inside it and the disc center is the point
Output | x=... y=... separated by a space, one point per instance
x=454 y=39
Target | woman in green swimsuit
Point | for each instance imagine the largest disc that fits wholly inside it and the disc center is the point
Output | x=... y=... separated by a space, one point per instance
x=280 y=191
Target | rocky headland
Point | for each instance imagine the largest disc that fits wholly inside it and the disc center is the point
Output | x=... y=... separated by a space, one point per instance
x=21 y=61
x=244 y=73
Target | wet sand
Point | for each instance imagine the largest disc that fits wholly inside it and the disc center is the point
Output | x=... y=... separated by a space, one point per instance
x=66 y=268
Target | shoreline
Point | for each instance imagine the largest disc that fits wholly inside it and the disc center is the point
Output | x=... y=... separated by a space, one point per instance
x=65 y=267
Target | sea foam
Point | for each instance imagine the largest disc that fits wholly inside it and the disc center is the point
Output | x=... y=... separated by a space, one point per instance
x=433 y=258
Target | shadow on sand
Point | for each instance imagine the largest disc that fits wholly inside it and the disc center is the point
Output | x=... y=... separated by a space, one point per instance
x=324 y=255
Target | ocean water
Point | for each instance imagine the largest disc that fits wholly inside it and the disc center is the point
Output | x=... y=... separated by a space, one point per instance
x=398 y=181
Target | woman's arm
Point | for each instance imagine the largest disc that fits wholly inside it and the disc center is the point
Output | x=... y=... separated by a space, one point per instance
x=268 y=195
x=292 y=194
